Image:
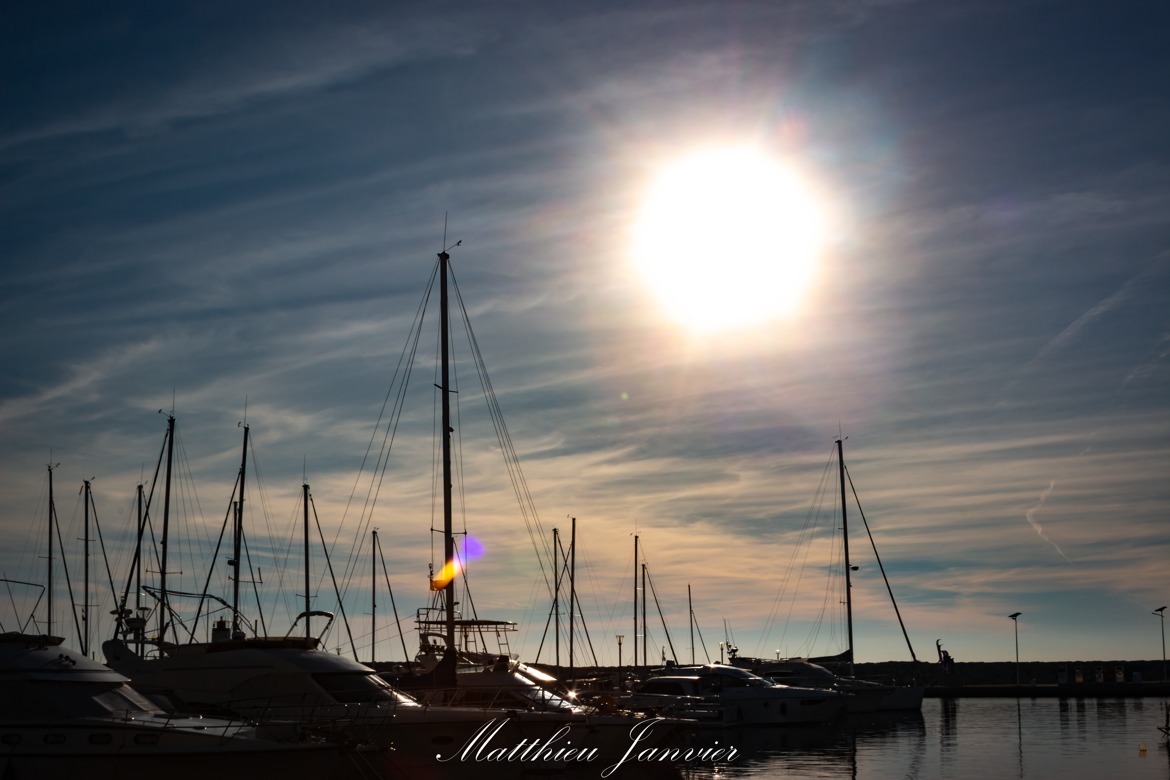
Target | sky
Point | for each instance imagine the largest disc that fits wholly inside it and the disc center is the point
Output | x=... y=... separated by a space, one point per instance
x=231 y=212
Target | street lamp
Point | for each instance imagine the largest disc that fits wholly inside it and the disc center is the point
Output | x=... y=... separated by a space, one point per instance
x=1161 y=613
x=620 y=637
x=1016 y=623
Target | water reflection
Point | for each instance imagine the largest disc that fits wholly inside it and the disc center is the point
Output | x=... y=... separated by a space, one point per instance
x=1027 y=738
x=832 y=751
x=947 y=725
x=1019 y=741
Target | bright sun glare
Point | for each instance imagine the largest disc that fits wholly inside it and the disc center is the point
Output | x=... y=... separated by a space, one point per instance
x=727 y=238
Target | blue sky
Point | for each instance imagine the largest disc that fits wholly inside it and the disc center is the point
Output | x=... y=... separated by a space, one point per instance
x=209 y=205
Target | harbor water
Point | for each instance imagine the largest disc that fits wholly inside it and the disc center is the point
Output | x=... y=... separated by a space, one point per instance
x=965 y=739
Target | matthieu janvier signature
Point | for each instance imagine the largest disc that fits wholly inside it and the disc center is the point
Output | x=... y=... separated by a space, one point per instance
x=558 y=748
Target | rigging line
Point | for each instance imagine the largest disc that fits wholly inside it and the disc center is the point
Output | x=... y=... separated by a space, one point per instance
x=405 y=359
x=835 y=579
x=665 y=630
x=102 y=545
x=399 y=386
x=284 y=554
x=619 y=601
x=260 y=486
x=886 y=579
x=584 y=627
x=832 y=578
x=436 y=467
x=552 y=609
x=702 y=642
x=254 y=578
x=457 y=448
x=393 y=605
x=142 y=529
x=336 y=590
x=512 y=459
x=188 y=499
x=547 y=624
x=211 y=567
x=12 y=599
x=803 y=546
x=584 y=564
x=401 y=380
x=65 y=568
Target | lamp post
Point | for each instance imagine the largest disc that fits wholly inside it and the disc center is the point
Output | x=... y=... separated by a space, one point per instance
x=620 y=637
x=1161 y=613
x=1016 y=623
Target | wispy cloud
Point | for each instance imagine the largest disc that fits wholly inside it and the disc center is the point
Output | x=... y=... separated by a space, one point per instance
x=1031 y=517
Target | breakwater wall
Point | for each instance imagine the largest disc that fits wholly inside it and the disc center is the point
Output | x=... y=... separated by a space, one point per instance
x=969 y=679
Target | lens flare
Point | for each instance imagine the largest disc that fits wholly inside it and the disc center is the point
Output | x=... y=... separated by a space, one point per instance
x=446 y=574
x=472 y=549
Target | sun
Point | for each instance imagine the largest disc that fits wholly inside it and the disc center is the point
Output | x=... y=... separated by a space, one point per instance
x=727 y=238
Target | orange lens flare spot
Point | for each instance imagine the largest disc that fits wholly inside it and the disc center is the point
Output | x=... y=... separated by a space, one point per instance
x=445 y=575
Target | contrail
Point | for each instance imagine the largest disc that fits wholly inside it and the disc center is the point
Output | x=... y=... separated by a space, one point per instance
x=1031 y=516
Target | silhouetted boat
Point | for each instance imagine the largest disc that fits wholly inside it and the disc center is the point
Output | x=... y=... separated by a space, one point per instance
x=864 y=695
x=63 y=715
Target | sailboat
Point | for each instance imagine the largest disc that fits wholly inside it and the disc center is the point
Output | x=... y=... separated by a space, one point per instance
x=865 y=695
x=453 y=665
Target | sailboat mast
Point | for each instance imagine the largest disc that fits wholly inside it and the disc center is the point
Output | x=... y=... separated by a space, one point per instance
x=445 y=391
x=305 y=501
x=557 y=596
x=572 y=588
x=49 y=574
x=373 y=594
x=635 y=636
x=691 y=614
x=162 y=574
x=85 y=575
x=645 y=627
x=848 y=568
x=238 y=537
x=139 y=633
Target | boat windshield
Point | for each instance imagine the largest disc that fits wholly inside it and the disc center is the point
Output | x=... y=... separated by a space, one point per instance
x=731 y=677
x=359 y=687
x=73 y=699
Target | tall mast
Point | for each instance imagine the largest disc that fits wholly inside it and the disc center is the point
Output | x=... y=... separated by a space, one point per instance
x=572 y=588
x=635 y=636
x=848 y=568
x=139 y=633
x=557 y=595
x=445 y=392
x=645 y=627
x=162 y=574
x=691 y=614
x=373 y=594
x=305 y=500
x=49 y=574
x=238 y=536
x=85 y=575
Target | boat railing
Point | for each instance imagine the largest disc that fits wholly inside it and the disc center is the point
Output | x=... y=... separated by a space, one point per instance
x=312 y=614
x=227 y=726
x=496 y=697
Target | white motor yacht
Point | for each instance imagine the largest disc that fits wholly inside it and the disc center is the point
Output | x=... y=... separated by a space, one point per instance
x=64 y=715
x=725 y=695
